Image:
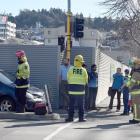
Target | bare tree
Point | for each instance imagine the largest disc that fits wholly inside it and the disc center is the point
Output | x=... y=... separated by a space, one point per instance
x=129 y=12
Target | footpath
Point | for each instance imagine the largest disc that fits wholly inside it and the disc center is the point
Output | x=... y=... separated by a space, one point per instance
x=61 y=113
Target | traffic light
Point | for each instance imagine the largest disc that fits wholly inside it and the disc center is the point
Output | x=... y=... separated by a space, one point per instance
x=61 y=42
x=78 y=28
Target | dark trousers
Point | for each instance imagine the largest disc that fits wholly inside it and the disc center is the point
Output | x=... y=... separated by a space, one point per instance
x=21 y=99
x=114 y=91
x=63 y=96
x=79 y=99
x=92 y=97
x=125 y=100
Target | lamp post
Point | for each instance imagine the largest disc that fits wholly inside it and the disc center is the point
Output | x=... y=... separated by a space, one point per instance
x=68 y=49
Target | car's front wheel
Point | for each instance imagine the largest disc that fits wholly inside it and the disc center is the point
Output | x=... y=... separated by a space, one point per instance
x=7 y=104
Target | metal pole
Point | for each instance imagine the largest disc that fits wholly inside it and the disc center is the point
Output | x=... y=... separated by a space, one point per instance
x=68 y=30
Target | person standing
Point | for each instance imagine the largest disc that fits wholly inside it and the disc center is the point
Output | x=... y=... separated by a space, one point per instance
x=77 y=79
x=93 y=87
x=22 y=81
x=117 y=84
x=64 y=99
x=125 y=91
x=134 y=87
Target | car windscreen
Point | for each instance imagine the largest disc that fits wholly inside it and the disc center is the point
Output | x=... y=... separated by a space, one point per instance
x=5 y=79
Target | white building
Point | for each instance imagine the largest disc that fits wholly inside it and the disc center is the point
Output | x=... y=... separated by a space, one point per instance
x=52 y=34
x=91 y=37
x=7 y=29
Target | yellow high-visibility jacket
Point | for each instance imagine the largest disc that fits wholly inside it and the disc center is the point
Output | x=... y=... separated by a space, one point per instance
x=22 y=75
x=77 y=79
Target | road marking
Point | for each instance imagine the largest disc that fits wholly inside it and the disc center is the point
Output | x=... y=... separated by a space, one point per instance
x=49 y=137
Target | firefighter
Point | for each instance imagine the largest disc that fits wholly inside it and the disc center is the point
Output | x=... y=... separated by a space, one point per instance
x=22 y=81
x=77 y=79
x=134 y=86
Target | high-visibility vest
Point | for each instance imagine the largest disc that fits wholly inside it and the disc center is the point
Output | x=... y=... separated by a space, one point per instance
x=22 y=75
x=77 y=79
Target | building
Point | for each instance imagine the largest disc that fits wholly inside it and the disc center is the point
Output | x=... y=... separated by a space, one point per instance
x=52 y=34
x=91 y=37
x=7 y=28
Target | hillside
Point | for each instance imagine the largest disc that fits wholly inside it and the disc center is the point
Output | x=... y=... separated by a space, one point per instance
x=57 y=17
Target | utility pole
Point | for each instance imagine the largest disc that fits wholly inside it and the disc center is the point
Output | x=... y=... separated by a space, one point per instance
x=69 y=14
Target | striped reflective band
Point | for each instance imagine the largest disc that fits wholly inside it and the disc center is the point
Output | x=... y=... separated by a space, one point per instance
x=25 y=86
x=137 y=92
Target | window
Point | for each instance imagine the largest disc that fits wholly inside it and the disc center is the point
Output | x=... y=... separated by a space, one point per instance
x=2 y=25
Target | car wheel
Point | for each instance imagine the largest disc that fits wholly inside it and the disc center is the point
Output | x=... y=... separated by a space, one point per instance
x=7 y=104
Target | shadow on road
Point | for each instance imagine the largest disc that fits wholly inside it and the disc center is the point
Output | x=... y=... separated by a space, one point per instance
x=34 y=124
x=102 y=114
x=105 y=126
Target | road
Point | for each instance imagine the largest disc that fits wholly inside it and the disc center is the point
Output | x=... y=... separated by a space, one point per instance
x=99 y=126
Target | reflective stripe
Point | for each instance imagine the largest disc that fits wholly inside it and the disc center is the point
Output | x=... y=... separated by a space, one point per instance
x=137 y=92
x=25 y=86
x=76 y=87
x=76 y=93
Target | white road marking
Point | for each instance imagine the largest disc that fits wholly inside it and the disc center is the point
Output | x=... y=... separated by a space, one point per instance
x=49 y=137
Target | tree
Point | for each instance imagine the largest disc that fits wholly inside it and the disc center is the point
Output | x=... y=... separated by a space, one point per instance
x=129 y=12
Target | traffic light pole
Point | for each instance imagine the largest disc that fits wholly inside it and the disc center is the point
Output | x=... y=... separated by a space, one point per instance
x=68 y=49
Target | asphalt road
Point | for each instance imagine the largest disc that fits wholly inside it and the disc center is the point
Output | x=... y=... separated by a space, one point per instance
x=99 y=126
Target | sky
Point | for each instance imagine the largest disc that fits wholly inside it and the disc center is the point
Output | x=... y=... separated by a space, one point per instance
x=87 y=7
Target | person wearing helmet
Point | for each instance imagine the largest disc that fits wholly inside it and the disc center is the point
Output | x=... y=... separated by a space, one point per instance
x=77 y=79
x=22 y=81
x=134 y=87
x=125 y=91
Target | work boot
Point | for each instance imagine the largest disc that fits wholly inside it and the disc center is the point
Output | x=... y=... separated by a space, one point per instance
x=117 y=110
x=69 y=120
x=133 y=121
x=82 y=120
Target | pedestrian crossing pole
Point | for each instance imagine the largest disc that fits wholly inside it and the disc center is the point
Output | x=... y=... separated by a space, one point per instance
x=69 y=14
